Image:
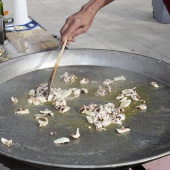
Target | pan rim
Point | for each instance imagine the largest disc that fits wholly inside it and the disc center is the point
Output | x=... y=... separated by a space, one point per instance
x=87 y=166
x=86 y=49
x=117 y=165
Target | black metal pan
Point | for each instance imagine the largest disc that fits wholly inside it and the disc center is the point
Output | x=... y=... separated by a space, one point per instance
x=148 y=139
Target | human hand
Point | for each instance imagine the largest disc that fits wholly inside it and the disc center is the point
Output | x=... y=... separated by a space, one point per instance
x=80 y=22
x=76 y=24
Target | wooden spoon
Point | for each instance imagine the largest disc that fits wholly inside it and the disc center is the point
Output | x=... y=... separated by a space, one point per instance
x=53 y=73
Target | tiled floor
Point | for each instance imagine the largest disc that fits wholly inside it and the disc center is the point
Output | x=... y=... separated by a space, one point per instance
x=123 y=25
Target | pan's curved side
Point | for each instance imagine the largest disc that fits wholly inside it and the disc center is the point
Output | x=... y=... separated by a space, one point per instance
x=109 y=58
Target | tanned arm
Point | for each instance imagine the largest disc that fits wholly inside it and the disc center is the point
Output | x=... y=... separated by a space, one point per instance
x=80 y=22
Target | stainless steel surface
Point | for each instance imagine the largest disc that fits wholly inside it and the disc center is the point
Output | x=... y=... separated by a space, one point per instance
x=150 y=131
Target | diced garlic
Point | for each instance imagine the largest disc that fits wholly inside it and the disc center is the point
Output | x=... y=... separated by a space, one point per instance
x=154 y=84
x=106 y=122
x=43 y=122
x=40 y=116
x=64 y=109
x=36 y=101
x=30 y=100
x=117 y=121
x=32 y=92
x=135 y=97
x=120 y=96
x=62 y=140
x=46 y=111
x=22 y=111
x=141 y=107
x=90 y=113
x=84 y=81
x=120 y=78
x=6 y=142
x=76 y=135
x=123 y=129
x=121 y=116
x=64 y=75
x=107 y=82
x=98 y=125
x=128 y=91
x=125 y=103
x=42 y=99
x=60 y=94
x=76 y=92
x=14 y=99
x=90 y=119
x=50 y=97
x=123 y=99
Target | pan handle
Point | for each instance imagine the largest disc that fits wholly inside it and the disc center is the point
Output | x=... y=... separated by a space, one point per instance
x=139 y=167
x=2 y=167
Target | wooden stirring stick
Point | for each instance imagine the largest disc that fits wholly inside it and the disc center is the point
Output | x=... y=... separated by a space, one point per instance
x=53 y=73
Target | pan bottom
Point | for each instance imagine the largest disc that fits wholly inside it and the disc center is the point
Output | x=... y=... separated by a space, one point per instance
x=149 y=135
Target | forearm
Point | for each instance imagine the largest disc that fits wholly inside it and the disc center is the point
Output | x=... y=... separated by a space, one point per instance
x=80 y=22
x=95 y=5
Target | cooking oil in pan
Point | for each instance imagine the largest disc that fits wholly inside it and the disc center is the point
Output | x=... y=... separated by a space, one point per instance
x=22 y=84
x=150 y=125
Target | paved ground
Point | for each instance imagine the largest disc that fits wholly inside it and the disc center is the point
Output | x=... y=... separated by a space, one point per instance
x=125 y=25
x=122 y=25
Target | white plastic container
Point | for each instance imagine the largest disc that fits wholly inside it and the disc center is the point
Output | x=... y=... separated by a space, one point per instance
x=20 y=12
x=160 y=12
